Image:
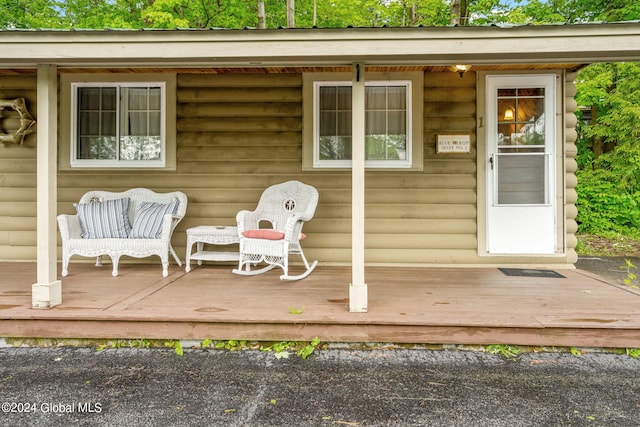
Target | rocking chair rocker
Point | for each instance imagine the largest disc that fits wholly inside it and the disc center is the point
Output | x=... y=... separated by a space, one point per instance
x=284 y=207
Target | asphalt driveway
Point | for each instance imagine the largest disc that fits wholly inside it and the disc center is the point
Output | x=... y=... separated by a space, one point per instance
x=334 y=387
x=613 y=268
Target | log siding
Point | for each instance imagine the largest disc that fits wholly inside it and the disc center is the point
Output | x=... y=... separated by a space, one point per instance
x=238 y=133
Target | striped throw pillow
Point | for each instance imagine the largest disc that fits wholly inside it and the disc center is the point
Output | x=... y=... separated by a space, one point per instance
x=148 y=219
x=106 y=219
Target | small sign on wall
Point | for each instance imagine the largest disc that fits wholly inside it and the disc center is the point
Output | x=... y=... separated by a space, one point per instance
x=453 y=144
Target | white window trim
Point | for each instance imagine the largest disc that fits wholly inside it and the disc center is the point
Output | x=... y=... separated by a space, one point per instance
x=415 y=130
x=392 y=164
x=67 y=147
x=105 y=163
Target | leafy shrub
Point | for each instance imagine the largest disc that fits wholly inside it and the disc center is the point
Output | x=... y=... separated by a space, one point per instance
x=604 y=207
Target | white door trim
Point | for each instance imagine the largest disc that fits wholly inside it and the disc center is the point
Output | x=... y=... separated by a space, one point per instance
x=517 y=228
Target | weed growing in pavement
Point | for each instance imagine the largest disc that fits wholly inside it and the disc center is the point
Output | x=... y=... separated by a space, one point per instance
x=283 y=349
x=633 y=352
x=176 y=345
x=139 y=343
x=507 y=350
x=231 y=345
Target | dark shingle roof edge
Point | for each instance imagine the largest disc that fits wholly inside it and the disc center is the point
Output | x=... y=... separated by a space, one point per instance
x=301 y=28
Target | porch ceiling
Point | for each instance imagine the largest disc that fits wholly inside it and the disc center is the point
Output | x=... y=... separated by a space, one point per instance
x=434 y=46
x=293 y=70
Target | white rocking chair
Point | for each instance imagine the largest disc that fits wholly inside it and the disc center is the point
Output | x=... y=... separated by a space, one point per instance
x=285 y=208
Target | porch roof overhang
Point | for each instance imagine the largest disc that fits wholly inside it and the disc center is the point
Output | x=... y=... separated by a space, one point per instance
x=550 y=44
x=49 y=50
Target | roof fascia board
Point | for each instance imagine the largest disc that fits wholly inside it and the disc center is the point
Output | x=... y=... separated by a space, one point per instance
x=386 y=46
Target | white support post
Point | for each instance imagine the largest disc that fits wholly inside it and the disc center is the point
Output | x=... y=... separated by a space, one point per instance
x=47 y=292
x=358 y=288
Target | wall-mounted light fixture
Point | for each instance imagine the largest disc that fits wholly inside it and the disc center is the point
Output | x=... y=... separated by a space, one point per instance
x=508 y=114
x=460 y=69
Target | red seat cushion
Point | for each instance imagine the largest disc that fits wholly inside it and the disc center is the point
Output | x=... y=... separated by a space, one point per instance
x=263 y=234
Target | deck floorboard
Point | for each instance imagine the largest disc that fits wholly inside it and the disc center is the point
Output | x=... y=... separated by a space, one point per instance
x=406 y=305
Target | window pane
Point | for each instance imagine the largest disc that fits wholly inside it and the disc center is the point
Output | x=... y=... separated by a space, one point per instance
x=397 y=123
x=328 y=98
x=89 y=98
x=140 y=148
x=530 y=108
x=109 y=96
x=155 y=121
x=137 y=124
x=532 y=91
x=375 y=147
x=385 y=127
x=335 y=123
x=506 y=92
x=344 y=98
x=375 y=123
x=138 y=98
x=376 y=98
x=89 y=123
x=155 y=98
x=397 y=97
x=96 y=125
x=108 y=123
x=506 y=110
x=397 y=147
x=140 y=132
x=335 y=148
x=344 y=123
x=328 y=123
x=101 y=148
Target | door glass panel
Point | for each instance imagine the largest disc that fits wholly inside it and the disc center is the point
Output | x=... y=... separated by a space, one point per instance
x=520 y=179
x=521 y=119
x=520 y=158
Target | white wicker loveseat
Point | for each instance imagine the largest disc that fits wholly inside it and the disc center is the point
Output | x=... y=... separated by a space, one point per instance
x=137 y=223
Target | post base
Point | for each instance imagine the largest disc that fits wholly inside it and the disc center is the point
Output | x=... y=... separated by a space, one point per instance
x=46 y=295
x=358 y=298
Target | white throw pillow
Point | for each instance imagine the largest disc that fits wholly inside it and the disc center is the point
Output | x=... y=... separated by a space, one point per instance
x=105 y=219
x=148 y=219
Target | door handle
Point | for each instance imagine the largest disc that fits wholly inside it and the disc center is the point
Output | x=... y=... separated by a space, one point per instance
x=491 y=162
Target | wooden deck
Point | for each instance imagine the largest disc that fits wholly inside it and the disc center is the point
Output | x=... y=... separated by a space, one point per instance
x=406 y=305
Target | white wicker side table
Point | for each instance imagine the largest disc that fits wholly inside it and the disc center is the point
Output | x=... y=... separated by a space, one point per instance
x=213 y=235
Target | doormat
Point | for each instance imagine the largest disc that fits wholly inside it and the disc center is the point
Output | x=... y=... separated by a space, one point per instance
x=525 y=272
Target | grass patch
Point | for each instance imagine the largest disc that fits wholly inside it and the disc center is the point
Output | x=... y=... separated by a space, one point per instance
x=617 y=245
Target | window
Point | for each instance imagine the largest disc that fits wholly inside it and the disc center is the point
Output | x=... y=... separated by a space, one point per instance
x=118 y=121
x=393 y=122
x=119 y=124
x=386 y=124
x=521 y=119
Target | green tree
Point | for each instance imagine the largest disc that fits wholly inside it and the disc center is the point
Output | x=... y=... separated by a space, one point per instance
x=613 y=93
x=576 y=11
x=201 y=14
x=23 y=14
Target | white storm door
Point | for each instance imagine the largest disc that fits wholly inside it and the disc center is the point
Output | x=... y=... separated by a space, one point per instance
x=520 y=123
